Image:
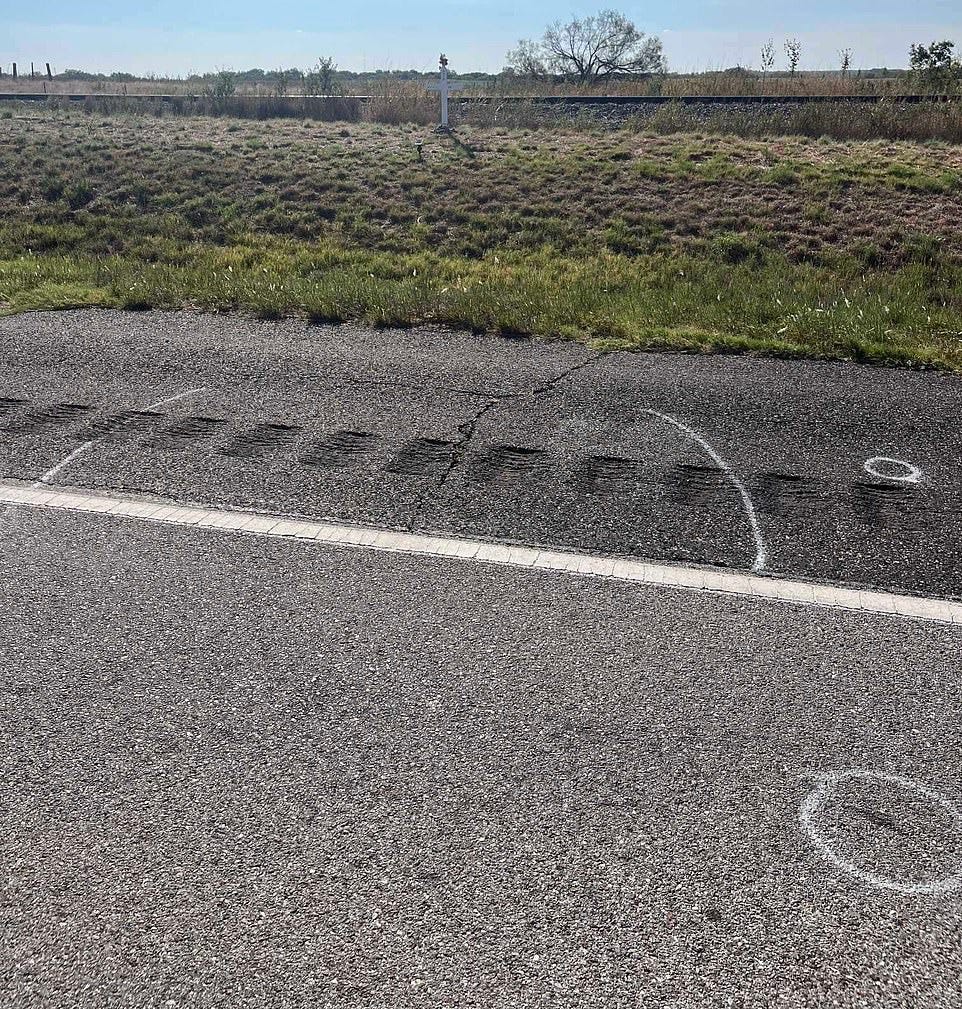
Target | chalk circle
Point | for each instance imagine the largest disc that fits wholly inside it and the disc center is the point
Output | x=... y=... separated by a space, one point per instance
x=883 y=467
x=825 y=789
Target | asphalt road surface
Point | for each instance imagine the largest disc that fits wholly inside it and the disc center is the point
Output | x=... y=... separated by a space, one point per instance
x=508 y=439
x=248 y=771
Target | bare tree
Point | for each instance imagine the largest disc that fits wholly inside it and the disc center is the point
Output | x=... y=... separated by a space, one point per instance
x=590 y=49
x=768 y=56
x=528 y=59
x=845 y=61
x=793 y=50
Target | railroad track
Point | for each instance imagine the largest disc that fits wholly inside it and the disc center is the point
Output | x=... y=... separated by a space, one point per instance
x=623 y=100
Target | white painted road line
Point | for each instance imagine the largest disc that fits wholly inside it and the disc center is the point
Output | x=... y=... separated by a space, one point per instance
x=737 y=583
x=51 y=475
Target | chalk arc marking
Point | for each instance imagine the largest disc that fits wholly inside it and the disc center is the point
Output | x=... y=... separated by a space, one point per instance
x=53 y=472
x=761 y=550
x=51 y=475
x=825 y=787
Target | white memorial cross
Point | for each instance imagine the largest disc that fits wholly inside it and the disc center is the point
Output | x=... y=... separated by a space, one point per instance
x=445 y=87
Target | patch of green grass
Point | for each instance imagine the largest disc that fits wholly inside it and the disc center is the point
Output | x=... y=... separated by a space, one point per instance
x=783 y=175
x=621 y=240
x=48 y=295
x=649 y=301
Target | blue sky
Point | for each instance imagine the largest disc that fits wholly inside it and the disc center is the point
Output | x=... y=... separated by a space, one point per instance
x=176 y=36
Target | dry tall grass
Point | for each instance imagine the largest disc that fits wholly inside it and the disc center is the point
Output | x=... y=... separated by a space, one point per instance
x=395 y=102
x=395 y=92
x=840 y=120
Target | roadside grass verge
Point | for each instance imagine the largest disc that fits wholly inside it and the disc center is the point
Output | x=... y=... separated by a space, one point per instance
x=911 y=316
x=75 y=183
x=789 y=247
x=889 y=120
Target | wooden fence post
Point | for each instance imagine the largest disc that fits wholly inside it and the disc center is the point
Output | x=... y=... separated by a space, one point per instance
x=33 y=73
x=15 y=71
x=49 y=74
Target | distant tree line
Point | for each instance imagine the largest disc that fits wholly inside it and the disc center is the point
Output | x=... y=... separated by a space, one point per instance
x=589 y=50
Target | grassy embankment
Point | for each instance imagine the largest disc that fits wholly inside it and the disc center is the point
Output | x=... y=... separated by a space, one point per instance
x=787 y=246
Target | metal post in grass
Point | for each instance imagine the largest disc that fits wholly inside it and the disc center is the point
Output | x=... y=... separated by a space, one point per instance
x=444 y=87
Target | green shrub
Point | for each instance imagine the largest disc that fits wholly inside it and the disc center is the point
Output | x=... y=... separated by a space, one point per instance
x=924 y=249
x=735 y=249
x=51 y=188
x=79 y=194
x=868 y=254
x=783 y=175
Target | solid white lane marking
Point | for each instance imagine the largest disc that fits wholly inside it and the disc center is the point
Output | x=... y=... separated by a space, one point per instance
x=52 y=473
x=881 y=467
x=827 y=785
x=232 y=522
x=761 y=551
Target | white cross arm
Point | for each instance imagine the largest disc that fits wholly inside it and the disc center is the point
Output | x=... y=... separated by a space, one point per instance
x=447 y=86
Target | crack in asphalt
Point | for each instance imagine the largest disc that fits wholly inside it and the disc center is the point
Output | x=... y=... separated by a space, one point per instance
x=467 y=429
x=567 y=373
x=380 y=383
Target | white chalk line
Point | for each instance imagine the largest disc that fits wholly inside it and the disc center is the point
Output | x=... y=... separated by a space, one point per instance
x=52 y=473
x=827 y=783
x=714 y=580
x=761 y=550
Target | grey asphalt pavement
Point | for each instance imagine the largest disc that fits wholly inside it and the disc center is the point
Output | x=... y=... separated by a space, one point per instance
x=243 y=772
x=484 y=436
x=255 y=772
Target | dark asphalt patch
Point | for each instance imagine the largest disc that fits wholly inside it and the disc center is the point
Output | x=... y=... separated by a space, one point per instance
x=55 y=415
x=185 y=433
x=340 y=449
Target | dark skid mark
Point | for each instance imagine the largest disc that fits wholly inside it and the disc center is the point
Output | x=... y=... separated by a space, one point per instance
x=126 y=424
x=877 y=817
x=339 y=449
x=886 y=504
x=57 y=415
x=184 y=432
x=9 y=404
x=423 y=457
x=701 y=486
x=508 y=463
x=601 y=474
x=260 y=440
x=789 y=494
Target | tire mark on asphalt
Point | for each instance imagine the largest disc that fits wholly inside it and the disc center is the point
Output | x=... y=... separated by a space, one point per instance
x=52 y=473
x=761 y=550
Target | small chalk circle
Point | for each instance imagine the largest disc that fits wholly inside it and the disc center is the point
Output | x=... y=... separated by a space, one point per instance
x=883 y=467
